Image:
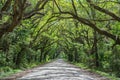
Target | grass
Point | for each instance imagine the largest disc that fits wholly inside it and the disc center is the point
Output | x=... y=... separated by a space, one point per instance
x=83 y=66
x=7 y=71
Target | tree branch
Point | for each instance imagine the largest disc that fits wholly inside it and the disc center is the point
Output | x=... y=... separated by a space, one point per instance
x=103 y=10
x=93 y=26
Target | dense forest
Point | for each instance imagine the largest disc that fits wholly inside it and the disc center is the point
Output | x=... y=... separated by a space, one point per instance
x=81 y=31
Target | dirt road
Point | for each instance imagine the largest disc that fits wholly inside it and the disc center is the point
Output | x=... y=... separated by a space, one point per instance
x=60 y=70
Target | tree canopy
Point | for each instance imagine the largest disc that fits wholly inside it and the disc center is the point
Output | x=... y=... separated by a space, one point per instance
x=82 y=31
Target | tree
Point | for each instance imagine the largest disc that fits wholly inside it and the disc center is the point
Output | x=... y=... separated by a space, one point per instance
x=17 y=13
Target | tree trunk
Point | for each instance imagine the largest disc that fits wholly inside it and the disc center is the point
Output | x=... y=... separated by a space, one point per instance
x=96 y=50
x=19 y=58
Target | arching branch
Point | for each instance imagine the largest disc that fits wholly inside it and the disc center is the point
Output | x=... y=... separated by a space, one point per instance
x=113 y=15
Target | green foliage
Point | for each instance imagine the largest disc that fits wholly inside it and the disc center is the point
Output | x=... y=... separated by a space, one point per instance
x=115 y=60
x=6 y=71
x=50 y=34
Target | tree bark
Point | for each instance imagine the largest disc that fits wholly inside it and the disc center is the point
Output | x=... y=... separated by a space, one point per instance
x=96 y=50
